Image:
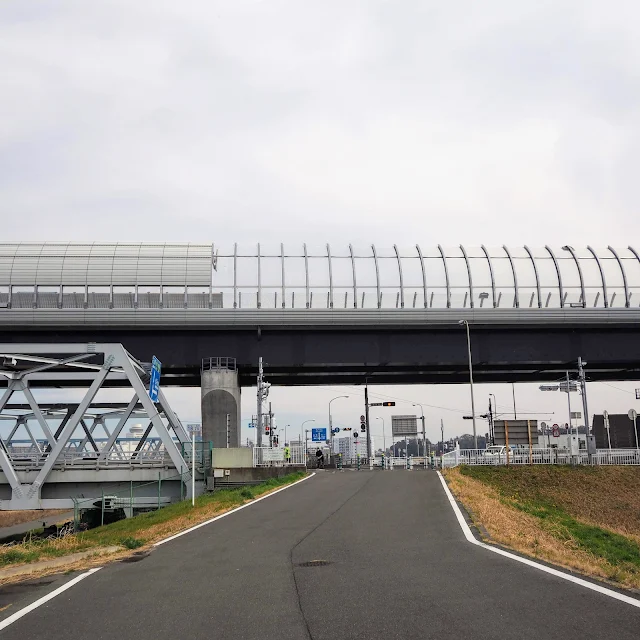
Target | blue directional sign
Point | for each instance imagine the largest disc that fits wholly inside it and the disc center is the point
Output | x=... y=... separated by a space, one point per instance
x=154 y=384
x=319 y=435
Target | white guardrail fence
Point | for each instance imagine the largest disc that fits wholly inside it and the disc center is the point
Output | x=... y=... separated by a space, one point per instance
x=294 y=455
x=540 y=456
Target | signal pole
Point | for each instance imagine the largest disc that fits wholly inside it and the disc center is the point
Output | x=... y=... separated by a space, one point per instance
x=366 y=419
x=262 y=394
x=259 y=407
x=583 y=389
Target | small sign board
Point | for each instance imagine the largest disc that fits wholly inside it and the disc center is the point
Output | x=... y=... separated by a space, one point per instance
x=154 y=383
x=576 y=415
x=319 y=434
x=404 y=425
x=556 y=431
x=272 y=455
x=637 y=394
x=194 y=428
x=519 y=431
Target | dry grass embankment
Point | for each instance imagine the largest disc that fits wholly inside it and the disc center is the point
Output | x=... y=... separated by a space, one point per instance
x=143 y=530
x=582 y=518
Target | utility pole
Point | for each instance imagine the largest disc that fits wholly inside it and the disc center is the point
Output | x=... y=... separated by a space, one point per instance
x=262 y=394
x=490 y=421
x=259 y=408
x=366 y=419
x=442 y=433
x=270 y=426
x=473 y=407
x=583 y=390
x=569 y=402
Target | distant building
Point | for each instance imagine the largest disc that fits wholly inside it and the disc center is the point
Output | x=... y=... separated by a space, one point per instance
x=348 y=448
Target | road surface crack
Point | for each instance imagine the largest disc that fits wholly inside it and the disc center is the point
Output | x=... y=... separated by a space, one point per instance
x=297 y=544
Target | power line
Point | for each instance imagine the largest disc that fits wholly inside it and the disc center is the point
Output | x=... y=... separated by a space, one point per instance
x=616 y=388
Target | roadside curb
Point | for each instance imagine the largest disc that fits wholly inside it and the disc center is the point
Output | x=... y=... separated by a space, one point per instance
x=62 y=561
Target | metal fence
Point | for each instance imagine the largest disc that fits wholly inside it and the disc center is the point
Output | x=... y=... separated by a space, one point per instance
x=540 y=456
x=127 y=499
x=279 y=456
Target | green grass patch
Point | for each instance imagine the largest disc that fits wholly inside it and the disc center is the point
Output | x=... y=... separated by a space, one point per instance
x=131 y=543
x=133 y=533
x=540 y=492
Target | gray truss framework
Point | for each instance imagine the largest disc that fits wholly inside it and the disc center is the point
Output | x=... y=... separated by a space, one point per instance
x=58 y=447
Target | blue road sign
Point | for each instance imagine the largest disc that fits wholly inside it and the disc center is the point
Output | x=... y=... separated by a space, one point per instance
x=154 y=384
x=318 y=435
x=251 y=425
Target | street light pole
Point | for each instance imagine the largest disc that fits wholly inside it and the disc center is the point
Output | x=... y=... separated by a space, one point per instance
x=331 y=425
x=303 y=430
x=424 y=436
x=473 y=405
x=493 y=411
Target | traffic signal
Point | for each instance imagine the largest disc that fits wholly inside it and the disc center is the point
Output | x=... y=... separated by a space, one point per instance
x=363 y=424
x=347 y=429
x=266 y=431
x=275 y=441
x=388 y=404
x=355 y=435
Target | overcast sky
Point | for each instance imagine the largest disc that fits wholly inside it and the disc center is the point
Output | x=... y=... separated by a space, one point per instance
x=390 y=122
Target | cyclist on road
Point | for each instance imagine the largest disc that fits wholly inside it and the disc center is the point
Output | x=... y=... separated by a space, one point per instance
x=320 y=458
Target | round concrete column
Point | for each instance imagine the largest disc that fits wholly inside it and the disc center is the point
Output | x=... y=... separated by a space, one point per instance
x=220 y=402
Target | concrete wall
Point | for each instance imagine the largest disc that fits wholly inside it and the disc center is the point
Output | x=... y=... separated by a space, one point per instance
x=232 y=458
x=255 y=474
x=220 y=398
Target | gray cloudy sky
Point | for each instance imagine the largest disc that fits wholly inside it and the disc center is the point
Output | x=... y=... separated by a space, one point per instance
x=388 y=122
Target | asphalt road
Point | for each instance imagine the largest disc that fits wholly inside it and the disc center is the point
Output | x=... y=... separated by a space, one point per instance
x=397 y=566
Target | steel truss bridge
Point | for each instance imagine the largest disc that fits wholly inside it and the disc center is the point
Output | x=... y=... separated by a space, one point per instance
x=79 y=447
x=330 y=315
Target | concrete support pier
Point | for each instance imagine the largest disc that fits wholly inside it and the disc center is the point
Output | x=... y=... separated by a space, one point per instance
x=220 y=402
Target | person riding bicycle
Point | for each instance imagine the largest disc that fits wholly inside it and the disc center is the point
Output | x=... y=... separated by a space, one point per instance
x=320 y=458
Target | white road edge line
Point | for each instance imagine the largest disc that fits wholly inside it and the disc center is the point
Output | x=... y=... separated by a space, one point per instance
x=228 y=513
x=34 y=605
x=554 y=572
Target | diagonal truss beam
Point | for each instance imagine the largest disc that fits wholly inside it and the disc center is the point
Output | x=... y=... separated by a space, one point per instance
x=173 y=419
x=116 y=432
x=44 y=425
x=67 y=432
x=88 y=437
x=122 y=358
x=142 y=441
x=6 y=396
